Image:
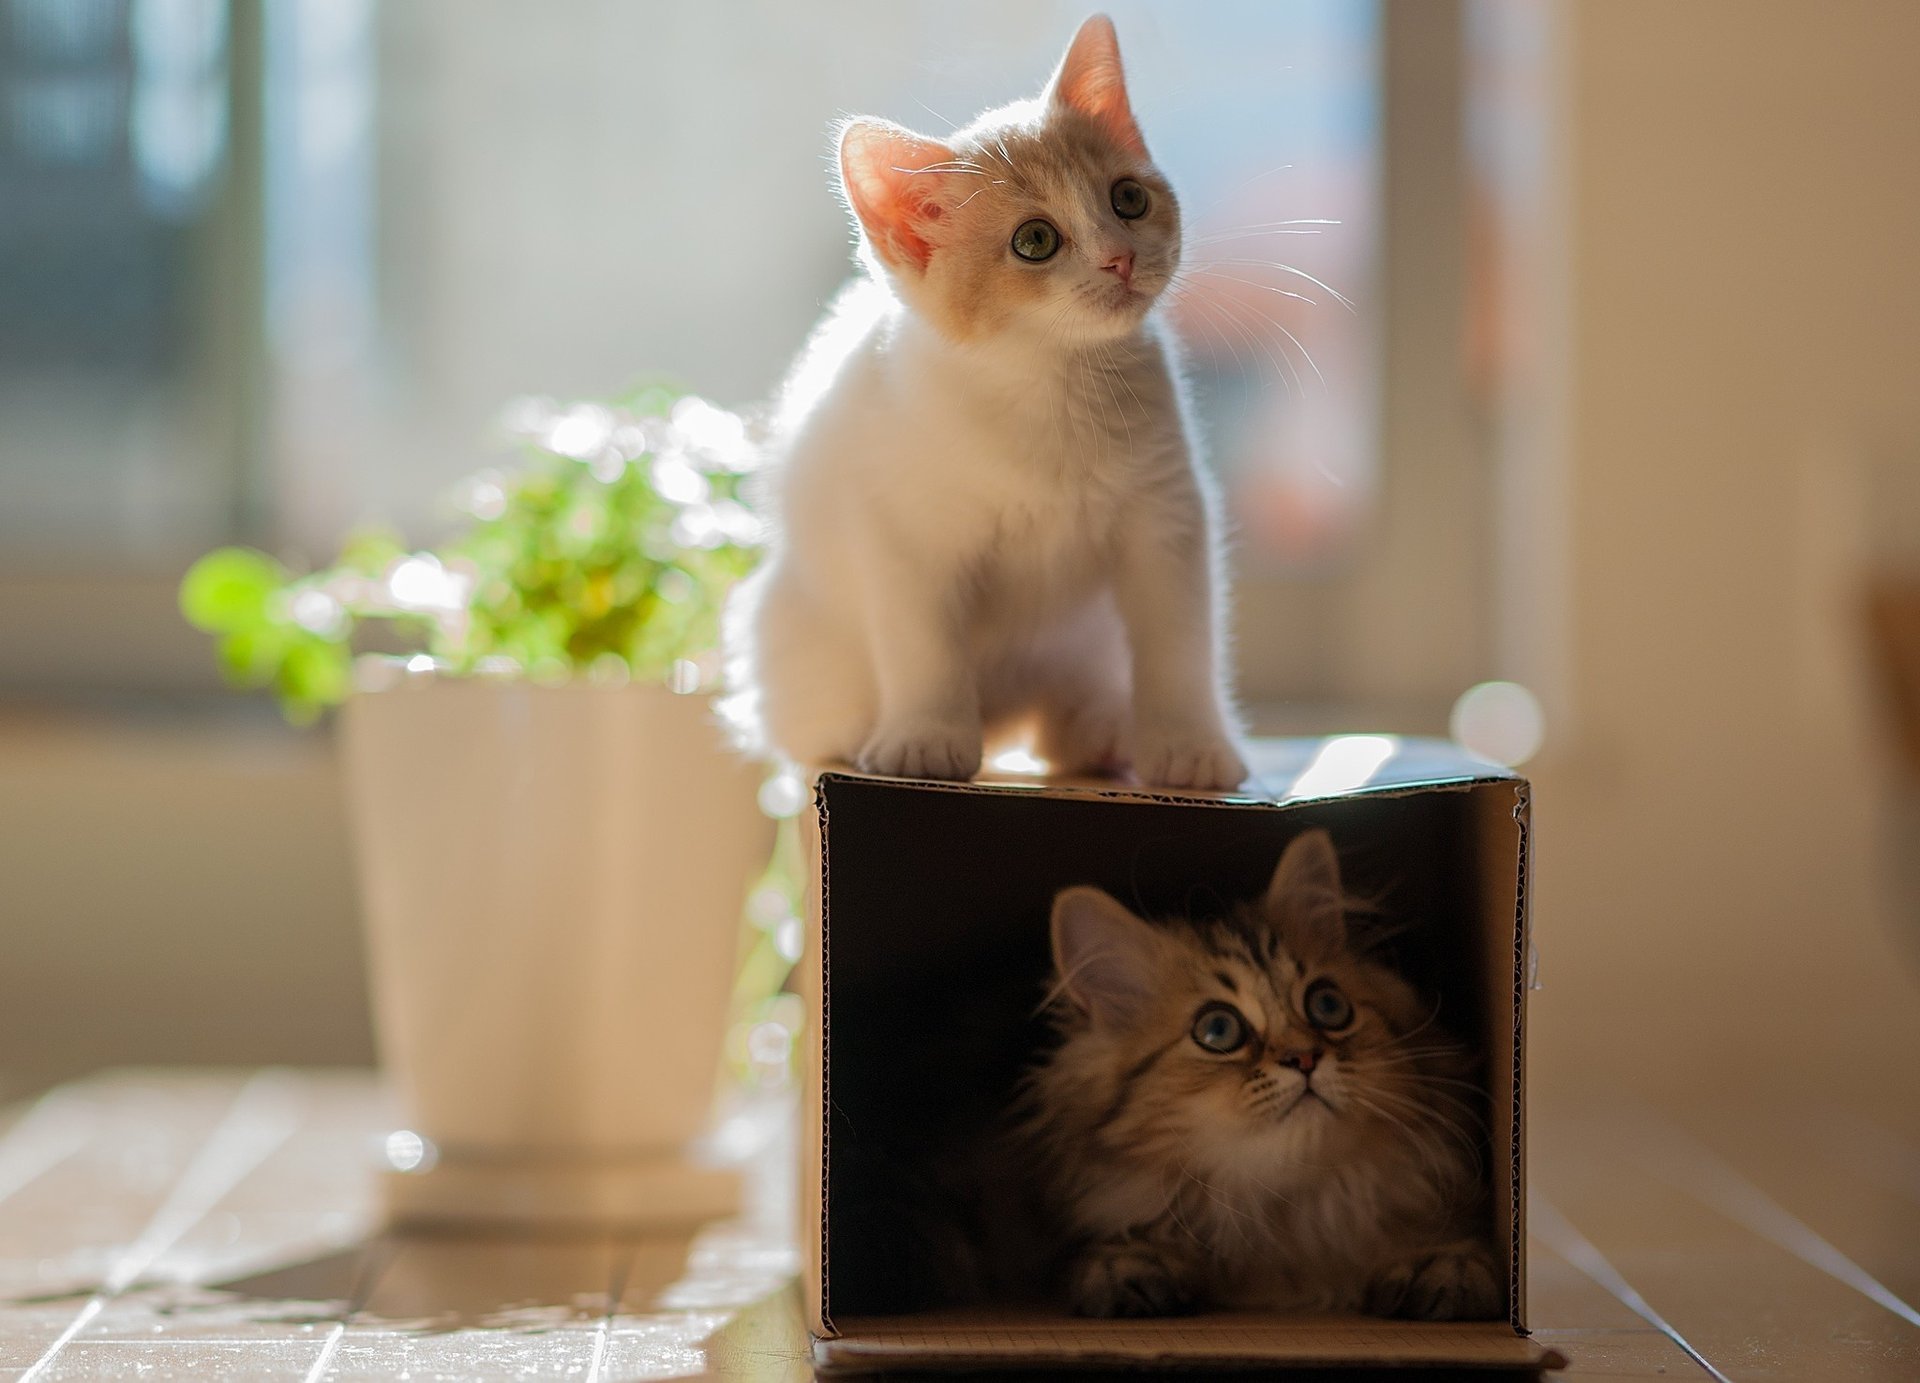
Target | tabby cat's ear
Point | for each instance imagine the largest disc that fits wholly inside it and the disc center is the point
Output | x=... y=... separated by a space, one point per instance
x=1091 y=81
x=1107 y=959
x=1304 y=902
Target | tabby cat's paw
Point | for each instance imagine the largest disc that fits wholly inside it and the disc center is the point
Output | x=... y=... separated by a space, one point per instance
x=1452 y=1284
x=922 y=749
x=1127 y=1281
x=1185 y=756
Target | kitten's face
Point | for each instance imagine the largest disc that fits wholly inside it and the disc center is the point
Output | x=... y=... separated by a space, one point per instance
x=1267 y=1053
x=1252 y=1045
x=1045 y=220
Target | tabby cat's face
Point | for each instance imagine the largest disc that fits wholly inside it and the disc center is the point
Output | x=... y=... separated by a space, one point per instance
x=1263 y=1050
x=1254 y=1043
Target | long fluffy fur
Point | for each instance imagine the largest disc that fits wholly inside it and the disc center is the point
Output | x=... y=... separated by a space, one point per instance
x=1186 y=1179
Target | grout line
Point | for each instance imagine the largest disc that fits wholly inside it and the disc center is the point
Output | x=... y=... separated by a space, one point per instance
x=373 y=1263
x=598 y=1360
x=1561 y=1236
x=328 y=1348
x=261 y=1118
x=624 y=1251
x=1694 y=1168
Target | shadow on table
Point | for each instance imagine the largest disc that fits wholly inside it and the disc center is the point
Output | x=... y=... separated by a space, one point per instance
x=458 y=1281
x=726 y=1301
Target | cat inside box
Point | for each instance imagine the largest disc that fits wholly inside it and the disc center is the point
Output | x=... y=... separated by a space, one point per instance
x=1257 y=1100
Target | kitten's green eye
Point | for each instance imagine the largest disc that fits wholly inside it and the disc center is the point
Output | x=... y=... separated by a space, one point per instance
x=1036 y=240
x=1327 y=1008
x=1129 y=199
x=1220 y=1029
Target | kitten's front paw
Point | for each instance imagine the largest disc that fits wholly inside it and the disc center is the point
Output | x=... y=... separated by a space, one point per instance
x=1127 y=1280
x=922 y=749
x=1186 y=756
x=1456 y=1283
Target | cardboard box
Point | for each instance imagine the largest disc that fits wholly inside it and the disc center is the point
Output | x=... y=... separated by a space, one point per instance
x=930 y=949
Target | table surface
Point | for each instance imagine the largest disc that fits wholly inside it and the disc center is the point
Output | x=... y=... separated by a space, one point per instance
x=215 y=1224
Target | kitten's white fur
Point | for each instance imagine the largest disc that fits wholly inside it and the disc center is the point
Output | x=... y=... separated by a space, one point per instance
x=988 y=514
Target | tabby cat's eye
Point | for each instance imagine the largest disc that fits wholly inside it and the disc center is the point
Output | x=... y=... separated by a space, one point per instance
x=1036 y=240
x=1129 y=199
x=1219 y=1028
x=1327 y=1008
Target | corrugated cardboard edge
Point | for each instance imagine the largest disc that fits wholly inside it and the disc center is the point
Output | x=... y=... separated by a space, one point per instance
x=815 y=979
x=1517 y=1135
x=960 y=1341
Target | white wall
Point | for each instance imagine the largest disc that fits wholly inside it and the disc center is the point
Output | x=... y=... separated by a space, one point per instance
x=1744 y=209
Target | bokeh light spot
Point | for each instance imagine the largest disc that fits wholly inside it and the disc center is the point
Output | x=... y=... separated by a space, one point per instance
x=407 y=1151
x=1501 y=721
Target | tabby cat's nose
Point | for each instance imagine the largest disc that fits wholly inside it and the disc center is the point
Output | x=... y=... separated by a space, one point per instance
x=1303 y=1060
x=1121 y=264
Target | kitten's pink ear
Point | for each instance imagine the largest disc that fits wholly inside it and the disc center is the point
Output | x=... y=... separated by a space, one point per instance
x=1091 y=81
x=1107 y=959
x=1304 y=901
x=897 y=183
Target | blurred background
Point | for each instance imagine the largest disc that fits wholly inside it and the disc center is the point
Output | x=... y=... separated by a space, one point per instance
x=1561 y=363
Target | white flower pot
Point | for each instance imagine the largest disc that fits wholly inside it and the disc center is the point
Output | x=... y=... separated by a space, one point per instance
x=552 y=879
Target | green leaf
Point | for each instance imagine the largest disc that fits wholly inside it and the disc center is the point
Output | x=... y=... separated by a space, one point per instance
x=574 y=572
x=251 y=657
x=317 y=672
x=229 y=590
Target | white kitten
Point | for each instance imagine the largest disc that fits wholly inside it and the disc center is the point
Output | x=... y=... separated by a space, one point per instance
x=989 y=517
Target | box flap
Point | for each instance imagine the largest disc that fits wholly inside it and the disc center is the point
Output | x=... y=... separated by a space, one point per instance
x=1003 y=1340
x=1283 y=771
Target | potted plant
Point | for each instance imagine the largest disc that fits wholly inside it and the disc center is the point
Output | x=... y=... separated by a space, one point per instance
x=554 y=842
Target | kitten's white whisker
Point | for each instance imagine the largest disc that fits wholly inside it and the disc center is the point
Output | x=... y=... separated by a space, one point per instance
x=1131 y=392
x=1282 y=365
x=1431 y=1121
x=1220 y=269
x=1428 y=1156
x=1109 y=372
x=1275 y=324
x=1205 y=241
x=1324 y=287
x=1218 y=337
x=1214 y=323
x=1292 y=221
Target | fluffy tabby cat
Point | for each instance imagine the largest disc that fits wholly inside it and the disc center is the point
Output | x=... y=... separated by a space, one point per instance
x=988 y=515
x=1250 y=1113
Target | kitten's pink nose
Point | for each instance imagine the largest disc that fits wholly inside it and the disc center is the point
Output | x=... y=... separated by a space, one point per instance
x=1121 y=264
x=1303 y=1060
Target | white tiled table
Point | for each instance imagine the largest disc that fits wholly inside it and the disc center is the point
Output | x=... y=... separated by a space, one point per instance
x=162 y=1225
x=197 y=1225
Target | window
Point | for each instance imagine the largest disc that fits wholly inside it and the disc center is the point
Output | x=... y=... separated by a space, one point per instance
x=317 y=251
x=113 y=156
